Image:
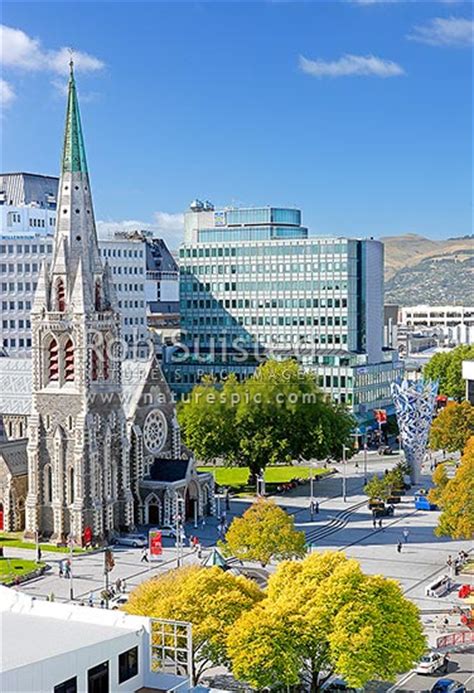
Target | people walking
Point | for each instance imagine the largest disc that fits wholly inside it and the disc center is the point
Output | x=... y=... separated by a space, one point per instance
x=91 y=599
x=406 y=534
x=118 y=585
x=144 y=558
x=124 y=586
x=316 y=508
x=60 y=569
x=399 y=547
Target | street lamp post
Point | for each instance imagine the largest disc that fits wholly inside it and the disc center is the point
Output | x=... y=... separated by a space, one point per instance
x=179 y=523
x=71 y=585
x=365 y=457
x=344 y=477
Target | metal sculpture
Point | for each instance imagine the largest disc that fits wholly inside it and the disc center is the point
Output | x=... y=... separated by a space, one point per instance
x=414 y=406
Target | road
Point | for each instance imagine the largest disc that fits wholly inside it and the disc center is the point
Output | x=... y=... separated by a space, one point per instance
x=460 y=669
x=338 y=526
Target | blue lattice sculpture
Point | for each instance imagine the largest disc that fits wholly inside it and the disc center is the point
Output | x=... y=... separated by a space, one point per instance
x=414 y=405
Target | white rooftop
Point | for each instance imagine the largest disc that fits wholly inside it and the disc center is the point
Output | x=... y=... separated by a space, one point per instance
x=34 y=630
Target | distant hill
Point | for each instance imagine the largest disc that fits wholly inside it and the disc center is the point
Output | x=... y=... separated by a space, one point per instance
x=420 y=270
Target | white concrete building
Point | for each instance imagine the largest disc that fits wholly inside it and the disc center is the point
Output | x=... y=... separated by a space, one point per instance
x=50 y=647
x=144 y=273
x=454 y=324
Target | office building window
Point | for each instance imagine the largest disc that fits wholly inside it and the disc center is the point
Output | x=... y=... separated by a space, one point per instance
x=69 y=686
x=128 y=664
x=98 y=679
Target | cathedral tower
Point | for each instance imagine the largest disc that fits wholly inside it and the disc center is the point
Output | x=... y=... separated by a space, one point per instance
x=78 y=466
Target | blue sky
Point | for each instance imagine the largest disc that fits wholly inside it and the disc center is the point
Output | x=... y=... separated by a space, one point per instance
x=357 y=112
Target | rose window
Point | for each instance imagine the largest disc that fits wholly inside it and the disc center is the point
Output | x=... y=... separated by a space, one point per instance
x=155 y=430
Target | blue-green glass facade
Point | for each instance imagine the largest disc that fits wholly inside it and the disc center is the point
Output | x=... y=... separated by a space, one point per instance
x=281 y=297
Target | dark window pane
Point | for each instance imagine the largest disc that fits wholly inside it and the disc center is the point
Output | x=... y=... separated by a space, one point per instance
x=69 y=686
x=98 y=679
x=128 y=664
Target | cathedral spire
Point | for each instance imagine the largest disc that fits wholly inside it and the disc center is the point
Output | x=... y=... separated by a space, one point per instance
x=74 y=153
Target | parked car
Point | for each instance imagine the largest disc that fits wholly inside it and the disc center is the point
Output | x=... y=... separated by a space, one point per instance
x=118 y=601
x=422 y=502
x=448 y=686
x=337 y=684
x=135 y=540
x=168 y=531
x=432 y=662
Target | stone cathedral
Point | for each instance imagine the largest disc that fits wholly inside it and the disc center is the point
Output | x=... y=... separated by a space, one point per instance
x=102 y=451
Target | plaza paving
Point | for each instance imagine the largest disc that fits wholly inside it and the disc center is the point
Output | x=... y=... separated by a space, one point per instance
x=339 y=525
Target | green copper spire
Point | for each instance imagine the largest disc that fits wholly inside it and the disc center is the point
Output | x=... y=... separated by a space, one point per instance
x=74 y=153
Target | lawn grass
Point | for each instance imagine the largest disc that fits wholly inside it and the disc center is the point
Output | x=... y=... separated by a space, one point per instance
x=10 y=568
x=236 y=478
x=15 y=541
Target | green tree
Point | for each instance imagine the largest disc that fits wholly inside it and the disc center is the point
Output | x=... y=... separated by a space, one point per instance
x=440 y=479
x=455 y=498
x=276 y=416
x=209 y=598
x=447 y=368
x=379 y=487
x=207 y=421
x=453 y=427
x=325 y=614
x=265 y=532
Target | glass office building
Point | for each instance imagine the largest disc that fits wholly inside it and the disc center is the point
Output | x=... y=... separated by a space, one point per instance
x=254 y=284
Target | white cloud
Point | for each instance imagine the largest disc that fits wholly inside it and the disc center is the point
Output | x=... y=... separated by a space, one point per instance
x=7 y=94
x=351 y=65
x=451 y=31
x=23 y=52
x=165 y=225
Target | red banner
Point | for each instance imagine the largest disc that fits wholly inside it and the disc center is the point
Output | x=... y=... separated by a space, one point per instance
x=155 y=544
x=380 y=416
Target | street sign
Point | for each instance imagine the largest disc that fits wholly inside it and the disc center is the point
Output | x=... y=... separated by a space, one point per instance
x=155 y=544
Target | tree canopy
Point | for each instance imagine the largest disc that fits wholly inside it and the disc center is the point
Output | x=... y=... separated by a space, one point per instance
x=325 y=614
x=264 y=532
x=276 y=416
x=453 y=427
x=209 y=598
x=455 y=498
x=447 y=368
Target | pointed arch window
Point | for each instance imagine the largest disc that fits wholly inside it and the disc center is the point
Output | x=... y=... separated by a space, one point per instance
x=60 y=296
x=106 y=367
x=94 y=365
x=48 y=484
x=53 y=360
x=70 y=485
x=69 y=361
x=97 y=295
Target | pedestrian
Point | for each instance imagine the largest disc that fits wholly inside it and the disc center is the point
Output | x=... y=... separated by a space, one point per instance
x=51 y=597
x=67 y=568
x=380 y=524
x=60 y=569
x=195 y=543
x=316 y=506
x=199 y=551
x=374 y=522
x=144 y=558
x=311 y=510
x=124 y=586
x=38 y=555
x=203 y=521
x=102 y=604
x=227 y=501
x=406 y=534
x=399 y=547
x=91 y=600
x=118 y=585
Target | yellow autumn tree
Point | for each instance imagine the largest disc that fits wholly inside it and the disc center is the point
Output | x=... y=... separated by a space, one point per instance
x=264 y=532
x=209 y=598
x=325 y=614
x=455 y=498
